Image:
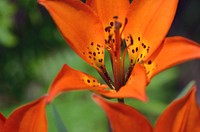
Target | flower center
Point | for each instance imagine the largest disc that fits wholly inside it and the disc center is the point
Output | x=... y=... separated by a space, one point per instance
x=117 y=48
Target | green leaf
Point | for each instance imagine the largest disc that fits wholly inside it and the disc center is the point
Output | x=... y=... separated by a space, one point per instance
x=58 y=121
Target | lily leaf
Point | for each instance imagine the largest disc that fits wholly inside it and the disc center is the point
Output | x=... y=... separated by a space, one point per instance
x=58 y=121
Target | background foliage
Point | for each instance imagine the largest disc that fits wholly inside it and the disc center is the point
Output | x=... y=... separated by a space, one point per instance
x=32 y=51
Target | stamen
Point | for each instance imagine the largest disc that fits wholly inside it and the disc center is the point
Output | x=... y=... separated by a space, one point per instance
x=123 y=65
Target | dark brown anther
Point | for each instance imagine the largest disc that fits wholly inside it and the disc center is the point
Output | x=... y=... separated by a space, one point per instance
x=118 y=25
x=115 y=17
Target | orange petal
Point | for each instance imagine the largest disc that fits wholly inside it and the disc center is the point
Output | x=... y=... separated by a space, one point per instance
x=107 y=9
x=28 y=118
x=80 y=27
x=69 y=79
x=173 y=51
x=123 y=118
x=182 y=115
x=2 y=121
x=134 y=88
x=148 y=22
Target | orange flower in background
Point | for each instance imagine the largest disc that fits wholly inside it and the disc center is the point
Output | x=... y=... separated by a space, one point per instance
x=97 y=27
x=32 y=116
x=27 y=118
x=2 y=121
x=182 y=115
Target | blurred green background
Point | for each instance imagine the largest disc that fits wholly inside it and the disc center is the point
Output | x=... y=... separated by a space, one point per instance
x=32 y=51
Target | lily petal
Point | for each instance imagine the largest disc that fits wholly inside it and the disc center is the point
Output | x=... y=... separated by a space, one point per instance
x=173 y=51
x=30 y=117
x=182 y=115
x=69 y=79
x=123 y=118
x=148 y=22
x=134 y=88
x=107 y=9
x=2 y=121
x=81 y=28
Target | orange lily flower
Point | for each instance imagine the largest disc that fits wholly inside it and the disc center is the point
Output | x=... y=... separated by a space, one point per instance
x=97 y=27
x=182 y=115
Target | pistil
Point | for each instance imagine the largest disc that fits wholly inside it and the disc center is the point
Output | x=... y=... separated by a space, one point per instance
x=113 y=43
x=117 y=57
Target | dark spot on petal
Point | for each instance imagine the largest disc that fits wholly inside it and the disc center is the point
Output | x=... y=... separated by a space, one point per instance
x=131 y=60
x=111 y=23
x=100 y=60
x=149 y=62
x=113 y=40
x=106 y=41
x=126 y=21
x=115 y=17
x=136 y=49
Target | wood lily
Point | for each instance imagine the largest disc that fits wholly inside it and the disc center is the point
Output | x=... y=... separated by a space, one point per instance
x=182 y=115
x=97 y=27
